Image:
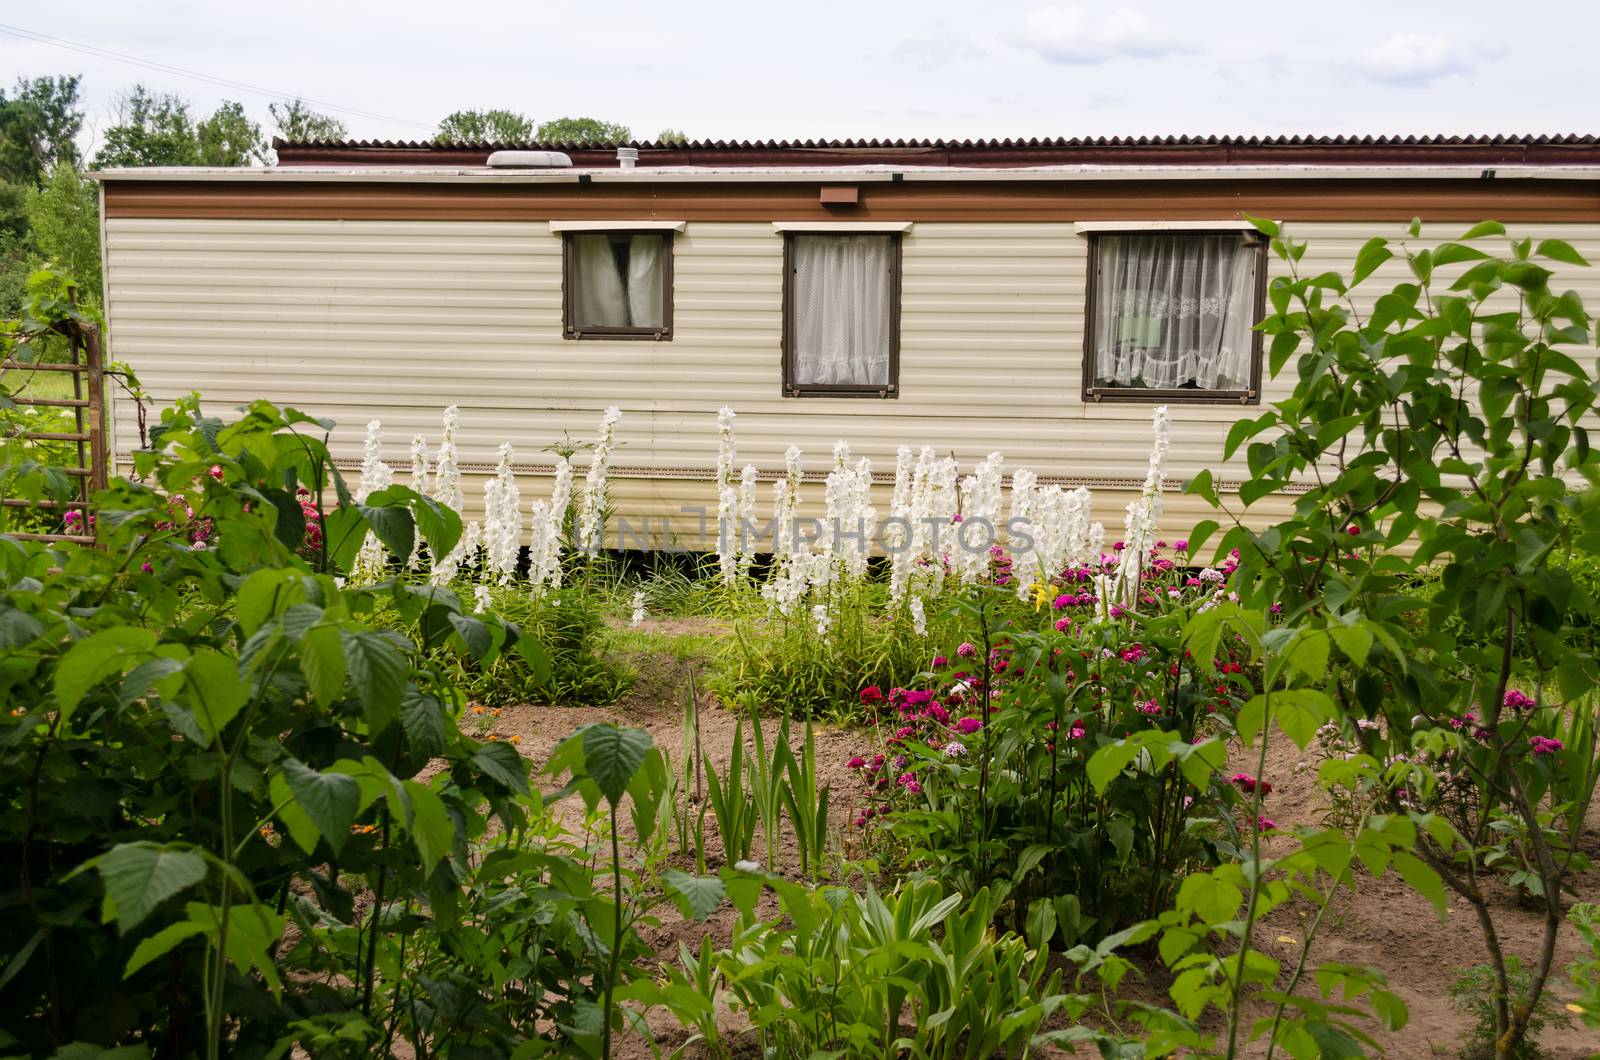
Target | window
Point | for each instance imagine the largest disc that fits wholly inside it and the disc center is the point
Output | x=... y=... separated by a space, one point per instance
x=841 y=315
x=618 y=285
x=1170 y=317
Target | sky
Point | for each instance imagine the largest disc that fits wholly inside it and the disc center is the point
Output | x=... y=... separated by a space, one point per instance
x=826 y=69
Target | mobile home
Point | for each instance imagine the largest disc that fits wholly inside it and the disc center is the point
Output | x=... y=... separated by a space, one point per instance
x=1037 y=298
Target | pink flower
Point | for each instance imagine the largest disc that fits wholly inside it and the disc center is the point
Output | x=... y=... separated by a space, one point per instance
x=1248 y=784
x=1266 y=824
x=857 y=762
x=909 y=782
x=146 y=568
x=871 y=696
x=216 y=472
x=968 y=726
x=940 y=662
x=966 y=650
x=1181 y=545
x=1544 y=745
x=1063 y=624
x=1519 y=700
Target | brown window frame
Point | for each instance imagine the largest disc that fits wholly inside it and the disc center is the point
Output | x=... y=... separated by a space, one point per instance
x=1102 y=394
x=570 y=330
x=792 y=389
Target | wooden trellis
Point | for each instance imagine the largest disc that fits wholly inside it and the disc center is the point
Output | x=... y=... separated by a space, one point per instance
x=88 y=436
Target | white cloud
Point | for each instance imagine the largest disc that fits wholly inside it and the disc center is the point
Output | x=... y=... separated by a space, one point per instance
x=1076 y=36
x=1416 y=59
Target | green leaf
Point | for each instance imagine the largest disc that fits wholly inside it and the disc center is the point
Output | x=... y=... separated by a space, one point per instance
x=534 y=655
x=1422 y=879
x=394 y=527
x=422 y=718
x=344 y=529
x=431 y=825
x=1559 y=250
x=1108 y=763
x=252 y=931
x=213 y=690
x=138 y=877
x=1200 y=535
x=110 y=652
x=1373 y=253
x=379 y=673
x=330 y=801
x=500 y=762
x=611 y=755
x=322 y=663
x=474 y=634
x=159 y=943
x=263 y=595
x=697 y=896
x=1484 y=228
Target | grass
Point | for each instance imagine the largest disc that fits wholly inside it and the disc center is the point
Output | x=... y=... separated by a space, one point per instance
x=38 y=384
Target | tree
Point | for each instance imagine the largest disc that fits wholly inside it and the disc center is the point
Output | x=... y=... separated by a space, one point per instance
x=583 y=131
x=37 y=125
x=298 y=123
x=152 y=130
x=671 y=136
x=65 y=218
x=229 y=138
x=485 y=126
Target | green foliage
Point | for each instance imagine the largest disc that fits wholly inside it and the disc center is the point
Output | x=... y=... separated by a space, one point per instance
x=731 y=803
x=485 y=126
x=188 y=729
x=1455 y=414
x=843 y=971
x=229 y=138
x=591 y=132
x=39 y=125
x=296 y=122
x=573 y=667
x=1585 y=971
x=671 y=136
x=1471 y=994
x=152 y=129
x=64 y=217
x=1074 y=773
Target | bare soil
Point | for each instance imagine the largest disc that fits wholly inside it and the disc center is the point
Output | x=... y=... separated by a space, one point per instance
x=1384 y=924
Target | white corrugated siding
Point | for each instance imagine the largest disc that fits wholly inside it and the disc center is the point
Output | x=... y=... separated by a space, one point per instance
x=394 y=320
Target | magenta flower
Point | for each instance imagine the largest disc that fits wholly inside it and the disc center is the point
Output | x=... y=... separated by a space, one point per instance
x=857 y=762
x=1181 y=545
x=968 y=726
x=1248 y=784
x=1063 y=624
x=1519 y=700
x=1266 y=824
x=940 y=662
x=1544 y=745
x=966 y=650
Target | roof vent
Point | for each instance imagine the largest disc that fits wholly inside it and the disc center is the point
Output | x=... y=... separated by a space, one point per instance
x=529 y=160
x=627 y=157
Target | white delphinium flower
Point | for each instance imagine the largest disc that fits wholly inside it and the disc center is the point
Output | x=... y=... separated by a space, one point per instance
x=446 y=488
x=981 y=494
x=560 y=506
x=481 y=600
x=376 y=475
x=546 y=541
x=1096 y=549
x=863 y=519
x=1139 y=528
x=638 y=609
x=502 y=512
x=819 y=615
x=419 y=486
x=1025 y=511
x=471 y=541
x=727 y=532
x=591 y=514
x=747 y=515
x=1076 y=510
x=725 y=448
x=919 y=617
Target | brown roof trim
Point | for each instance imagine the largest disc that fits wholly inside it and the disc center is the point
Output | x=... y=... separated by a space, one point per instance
x=1565 y=149
x=954 y=200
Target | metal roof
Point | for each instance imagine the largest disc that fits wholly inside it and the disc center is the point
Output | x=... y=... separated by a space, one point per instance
x=1496 y=149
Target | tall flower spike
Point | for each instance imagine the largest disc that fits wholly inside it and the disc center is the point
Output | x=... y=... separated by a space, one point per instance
x=376 y=475
x=591 y=515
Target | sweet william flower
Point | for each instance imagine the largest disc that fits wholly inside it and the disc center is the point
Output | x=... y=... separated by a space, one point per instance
x=968 y=726
x=1544 y=745
x=966 y=650
x=856 y=763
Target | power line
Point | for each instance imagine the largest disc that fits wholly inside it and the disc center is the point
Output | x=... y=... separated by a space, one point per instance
x=222 y=82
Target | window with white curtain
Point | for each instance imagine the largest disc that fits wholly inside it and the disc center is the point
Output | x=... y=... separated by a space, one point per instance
x=1172 y=315
x=618 y=285
x=842 y=315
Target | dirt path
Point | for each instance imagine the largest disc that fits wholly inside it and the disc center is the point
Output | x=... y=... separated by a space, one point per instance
x=1385 y=924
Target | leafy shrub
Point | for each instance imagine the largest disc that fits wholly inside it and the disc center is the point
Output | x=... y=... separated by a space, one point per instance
x=1472 y=993
x=984 y=778
x=196 y=731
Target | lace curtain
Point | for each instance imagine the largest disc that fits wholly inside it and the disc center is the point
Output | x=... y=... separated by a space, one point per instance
x=1174 y=311
x=842 y=291
x=620 y=281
